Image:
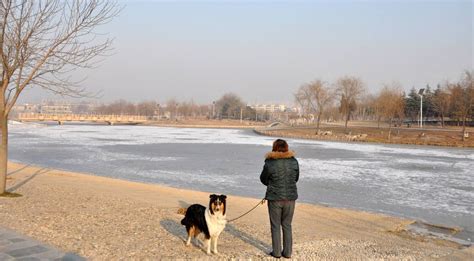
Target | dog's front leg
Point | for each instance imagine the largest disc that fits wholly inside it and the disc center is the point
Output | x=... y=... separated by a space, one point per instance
x=188 y=242
x=208 y=244
x=214 y=245
x=190 y=231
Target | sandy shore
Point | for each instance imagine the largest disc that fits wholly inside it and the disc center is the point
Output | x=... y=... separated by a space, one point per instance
x=108 y=219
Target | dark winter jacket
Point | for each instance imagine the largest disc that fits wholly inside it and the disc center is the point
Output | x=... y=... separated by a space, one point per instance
x=280 y=174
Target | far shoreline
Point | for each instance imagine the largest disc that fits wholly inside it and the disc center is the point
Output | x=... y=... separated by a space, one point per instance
x=381 y=143
x=269 y=132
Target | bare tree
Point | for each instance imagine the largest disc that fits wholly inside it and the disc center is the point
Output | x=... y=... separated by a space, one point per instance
x=230 y=106
x=303 y=103
x=456 y=101
x=186 y=109
x=120 y=107
x=349 y=90
x=470 y=93
x=364 y=108
x=41 y=43
x=391 y=102
x=172 y=106
x=147 y=108
x=205 y=110
x=374 y=110
x=462 y=99
x=316 y=96
x=467 y=102
x=441 y=102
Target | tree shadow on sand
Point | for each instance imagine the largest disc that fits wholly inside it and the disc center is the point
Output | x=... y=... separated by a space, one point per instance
x=18 y=170
x=28 y=179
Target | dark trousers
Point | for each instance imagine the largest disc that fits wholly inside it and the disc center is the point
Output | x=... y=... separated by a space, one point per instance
x=281 y=215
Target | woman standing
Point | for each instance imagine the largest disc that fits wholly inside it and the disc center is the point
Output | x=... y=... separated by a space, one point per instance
x=280 y=174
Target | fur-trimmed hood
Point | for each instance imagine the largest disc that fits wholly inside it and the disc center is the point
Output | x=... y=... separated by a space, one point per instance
x=280 y=155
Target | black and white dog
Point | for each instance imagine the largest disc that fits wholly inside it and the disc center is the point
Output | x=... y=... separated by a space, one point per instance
x=211 y=221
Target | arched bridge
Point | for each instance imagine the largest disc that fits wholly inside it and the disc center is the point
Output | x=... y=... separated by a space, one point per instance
x=61 y=118
x=277 y=124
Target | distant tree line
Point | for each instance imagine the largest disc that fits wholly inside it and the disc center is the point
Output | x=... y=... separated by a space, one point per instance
x=229 y=106
x=344 y=100
x=453 y=100
x=171 y=109
x=347 y=99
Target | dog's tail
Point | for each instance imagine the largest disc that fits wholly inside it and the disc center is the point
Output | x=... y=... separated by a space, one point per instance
x=182 y=211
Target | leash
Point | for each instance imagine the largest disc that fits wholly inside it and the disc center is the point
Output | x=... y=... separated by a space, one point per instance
x=258 y=204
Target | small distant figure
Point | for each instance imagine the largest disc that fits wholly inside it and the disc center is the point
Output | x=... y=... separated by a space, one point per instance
x=280 y=174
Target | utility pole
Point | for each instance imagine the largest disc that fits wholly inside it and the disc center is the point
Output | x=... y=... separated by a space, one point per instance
x=176 y=112
x=420 y=92
x=240 y=115
x=159 y=111
x=421 y=111
x=213 y=109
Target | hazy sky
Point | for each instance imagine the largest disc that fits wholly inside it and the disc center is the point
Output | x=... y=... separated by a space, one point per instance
x=264 y=50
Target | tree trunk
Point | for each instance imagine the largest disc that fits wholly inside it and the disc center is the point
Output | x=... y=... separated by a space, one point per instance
x=347 y=119
x=317 y=124
x=390 y=130
x=464 y=127
x=3 y=152
x=442 y=119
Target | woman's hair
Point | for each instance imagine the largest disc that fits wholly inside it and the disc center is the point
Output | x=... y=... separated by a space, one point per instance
x=280 y=145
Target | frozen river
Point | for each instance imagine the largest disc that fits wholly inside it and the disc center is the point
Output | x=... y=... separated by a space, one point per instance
x=432 y=184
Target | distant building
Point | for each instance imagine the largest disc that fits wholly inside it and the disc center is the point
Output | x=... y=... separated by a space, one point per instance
x=64 y=107
x=269 y=107
x=84 y=107
x=56 y=109
x=26 y=108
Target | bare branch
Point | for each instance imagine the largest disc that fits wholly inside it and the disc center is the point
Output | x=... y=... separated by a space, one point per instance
x=42 y=42
x=315 y=96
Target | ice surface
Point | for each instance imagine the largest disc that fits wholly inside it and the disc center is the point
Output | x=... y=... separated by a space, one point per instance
x=430 y=183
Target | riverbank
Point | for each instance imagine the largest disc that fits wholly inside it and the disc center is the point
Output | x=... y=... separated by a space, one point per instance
x=211 y=124
x=373 y=134
x=104 y=219
x=358 y=131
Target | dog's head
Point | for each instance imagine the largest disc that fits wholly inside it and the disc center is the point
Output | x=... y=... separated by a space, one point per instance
x=217 y=204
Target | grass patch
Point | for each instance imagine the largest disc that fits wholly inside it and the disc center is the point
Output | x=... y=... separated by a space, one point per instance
x=10 y=195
